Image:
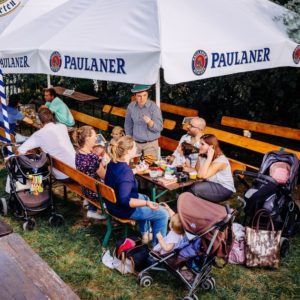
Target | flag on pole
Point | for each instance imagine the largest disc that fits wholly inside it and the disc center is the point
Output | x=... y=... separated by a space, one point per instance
x=4 y=112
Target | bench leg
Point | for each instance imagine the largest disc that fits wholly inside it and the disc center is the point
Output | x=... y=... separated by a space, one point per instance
x=65 y=192
x=108 y=232
x=126 y=230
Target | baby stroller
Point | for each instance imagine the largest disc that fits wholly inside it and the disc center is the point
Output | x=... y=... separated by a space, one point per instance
x=274 y=195
x=30 y=187
x=208 y=227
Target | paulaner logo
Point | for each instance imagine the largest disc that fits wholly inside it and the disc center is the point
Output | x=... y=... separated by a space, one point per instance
x=227 y=59
x=55 y=61
x=296 y=55
x=199 y=62
x=92 y=64
x=8 y=6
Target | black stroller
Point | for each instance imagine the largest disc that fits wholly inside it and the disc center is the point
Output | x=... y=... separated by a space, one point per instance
x=30 y=188
x=208 y=228
x=273 y=196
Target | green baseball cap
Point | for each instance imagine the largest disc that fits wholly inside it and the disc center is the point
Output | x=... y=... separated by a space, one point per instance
x=137 y=88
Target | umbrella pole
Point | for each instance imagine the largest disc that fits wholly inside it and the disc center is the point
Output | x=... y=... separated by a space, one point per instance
x=157 y=99
x=48 y=81
x=157 y=90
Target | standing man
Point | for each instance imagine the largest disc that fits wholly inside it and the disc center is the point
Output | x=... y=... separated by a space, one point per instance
x=195 y=131
x=58 y=107
x=143 y=121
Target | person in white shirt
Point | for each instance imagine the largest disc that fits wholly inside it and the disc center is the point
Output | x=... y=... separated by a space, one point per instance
x=52 y=138
x=196 y=129
x=214 y=169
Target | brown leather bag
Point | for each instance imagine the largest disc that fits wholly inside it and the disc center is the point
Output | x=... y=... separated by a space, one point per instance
x=262 y=246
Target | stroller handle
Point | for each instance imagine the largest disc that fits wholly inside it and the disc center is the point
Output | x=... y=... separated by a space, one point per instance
x=259 y=176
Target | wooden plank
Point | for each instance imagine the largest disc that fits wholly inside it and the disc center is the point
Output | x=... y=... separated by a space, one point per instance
x=89 y=120
x=245 y=142
x=24 y=275
x=121 y=112
x=61 y=91
x=106 y=108
x=175 y=109
x=2 y=134
x=118 y=111
x=286 y=132
x=168 y=143
x=179 y=110
x=169 y=124
x=76 y=188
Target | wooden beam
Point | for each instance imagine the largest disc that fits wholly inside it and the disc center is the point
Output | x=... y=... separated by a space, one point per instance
x=175 y=109
x=169 y=124
x=285 y=132
x=89 y=120
x=2 y=134
x=118 y=111
x=179 y=110
x=106 y=108
x=167 y=143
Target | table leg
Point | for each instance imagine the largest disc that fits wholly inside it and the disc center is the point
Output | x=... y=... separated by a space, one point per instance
x=154 y=195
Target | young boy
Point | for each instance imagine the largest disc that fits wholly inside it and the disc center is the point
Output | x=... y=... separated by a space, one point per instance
x=175 y=236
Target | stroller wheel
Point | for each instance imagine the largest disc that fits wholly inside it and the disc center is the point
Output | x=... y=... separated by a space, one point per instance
x=4 y=206
x=284 y=247
x=56 y=220
x=208 y=284
x=145 y=280
x=29 y=225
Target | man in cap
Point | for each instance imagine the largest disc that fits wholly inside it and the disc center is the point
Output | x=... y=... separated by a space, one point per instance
x=143 y=121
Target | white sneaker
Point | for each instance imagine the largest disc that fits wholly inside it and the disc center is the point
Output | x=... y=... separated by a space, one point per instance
x=94 y=215
x=85 y=204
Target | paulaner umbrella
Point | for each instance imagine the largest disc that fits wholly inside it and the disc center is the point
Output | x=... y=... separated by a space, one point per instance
x=130 y=40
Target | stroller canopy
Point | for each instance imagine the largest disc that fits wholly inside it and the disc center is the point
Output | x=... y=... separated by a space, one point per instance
x=281 y=156
x=198 y=215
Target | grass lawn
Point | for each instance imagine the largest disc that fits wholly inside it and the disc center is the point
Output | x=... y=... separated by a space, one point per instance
x=74 y=252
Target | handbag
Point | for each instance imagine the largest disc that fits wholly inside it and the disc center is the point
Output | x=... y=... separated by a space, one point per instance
x=133 y=255
x=237 y=253
x=262 y=245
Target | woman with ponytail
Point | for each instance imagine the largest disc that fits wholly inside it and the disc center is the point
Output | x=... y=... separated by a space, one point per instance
x=130 y=204
x=89 y=163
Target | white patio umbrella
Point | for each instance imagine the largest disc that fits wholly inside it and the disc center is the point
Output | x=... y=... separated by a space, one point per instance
x=129 y=40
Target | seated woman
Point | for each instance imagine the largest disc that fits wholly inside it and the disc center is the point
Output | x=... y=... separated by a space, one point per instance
x=89 y=163
x=130 y=204
x=214 y=168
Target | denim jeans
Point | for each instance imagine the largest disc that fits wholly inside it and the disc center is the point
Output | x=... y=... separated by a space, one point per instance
x=148 y=218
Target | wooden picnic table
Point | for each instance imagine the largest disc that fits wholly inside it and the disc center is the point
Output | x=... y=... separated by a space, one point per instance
x=24 y=275
x=166 y=188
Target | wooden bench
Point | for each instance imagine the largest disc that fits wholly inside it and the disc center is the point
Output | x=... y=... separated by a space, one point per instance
x=245 y=142
x=121 y=112
x=103 y=191
x=285 y=132
x=89 y=120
